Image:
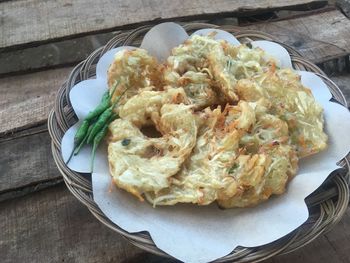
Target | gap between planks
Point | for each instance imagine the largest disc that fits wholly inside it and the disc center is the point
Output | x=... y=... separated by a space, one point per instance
x=52 y=226
x=31 y=22
x=27 y=99
x=68 y=52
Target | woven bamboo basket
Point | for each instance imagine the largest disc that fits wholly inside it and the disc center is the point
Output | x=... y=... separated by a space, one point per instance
x=326 y=205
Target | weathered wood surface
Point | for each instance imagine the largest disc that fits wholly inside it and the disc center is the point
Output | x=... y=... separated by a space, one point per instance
x=33 y=21
x=318 y=37
x=52 y=226
x=70 y=51
x=332 y=247
x=58 y=53
x=26 y=161
x=343 y=82
x=27 y=99
x=344 y=5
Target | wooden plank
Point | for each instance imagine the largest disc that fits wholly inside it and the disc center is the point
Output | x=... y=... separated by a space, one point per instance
x=32 y=21
x=71 y=51
x=339 y=238
x=343 y=82
x=319 y=37
x=59 y=53
x=331 y=247
x=344 y=5
x=25 y=102
x=24 y=162
x=27 y=99
x=52 y=226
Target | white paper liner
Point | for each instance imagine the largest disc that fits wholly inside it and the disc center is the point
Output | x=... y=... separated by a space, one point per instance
x=219 y=35
x=276 y=51
x=200 y=234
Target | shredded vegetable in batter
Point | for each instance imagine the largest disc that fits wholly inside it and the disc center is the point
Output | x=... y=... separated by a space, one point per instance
x=227 y=125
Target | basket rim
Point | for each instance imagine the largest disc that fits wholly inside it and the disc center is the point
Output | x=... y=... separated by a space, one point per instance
x=59 y=121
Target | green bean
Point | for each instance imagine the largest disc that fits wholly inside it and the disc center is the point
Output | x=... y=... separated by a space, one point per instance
x=102 y=119
x=104 y=104
x=79 y=137
x=77 y=150
x=81 y=132
x=100 y=123
x=112 y=118
x=82 y=136
x=98 y=138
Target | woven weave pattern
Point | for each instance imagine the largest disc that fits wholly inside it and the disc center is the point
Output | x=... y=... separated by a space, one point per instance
x=327 y=205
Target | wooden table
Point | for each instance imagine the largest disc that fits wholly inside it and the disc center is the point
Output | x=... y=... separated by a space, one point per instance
x=40 y=41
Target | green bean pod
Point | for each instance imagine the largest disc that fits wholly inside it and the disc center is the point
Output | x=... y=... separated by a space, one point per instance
x=98 y=138
x=100 y=108
x=87 y=132
x=103 y=119
x=79 y=137
x=100 y=123
x=104 y=104
x=81 y=132
x=77 y=150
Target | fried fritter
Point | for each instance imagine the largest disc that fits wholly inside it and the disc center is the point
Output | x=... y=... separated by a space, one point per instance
x=134 y=70
x=231 y=125
x=140 y=164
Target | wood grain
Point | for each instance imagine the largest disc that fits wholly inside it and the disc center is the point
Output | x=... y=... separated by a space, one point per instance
x=27 y=99
x=343 y=82
x=70 y=51
x=52 y=226
x=26 y=161
x=331 y=247
x=318 y=37
x=32 y=21
x=25 y=102
x=58 y=53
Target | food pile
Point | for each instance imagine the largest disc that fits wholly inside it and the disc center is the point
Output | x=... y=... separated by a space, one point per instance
x=214 y=123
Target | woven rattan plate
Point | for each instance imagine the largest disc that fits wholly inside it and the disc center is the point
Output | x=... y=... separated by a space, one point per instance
x=326 y=206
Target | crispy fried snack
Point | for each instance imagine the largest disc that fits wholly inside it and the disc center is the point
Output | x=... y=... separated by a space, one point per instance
x=230 y=125
x=139 y=163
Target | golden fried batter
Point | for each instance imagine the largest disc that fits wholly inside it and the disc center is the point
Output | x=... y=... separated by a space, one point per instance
x=231 y=126
x=134 y=70
x=139 y=164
